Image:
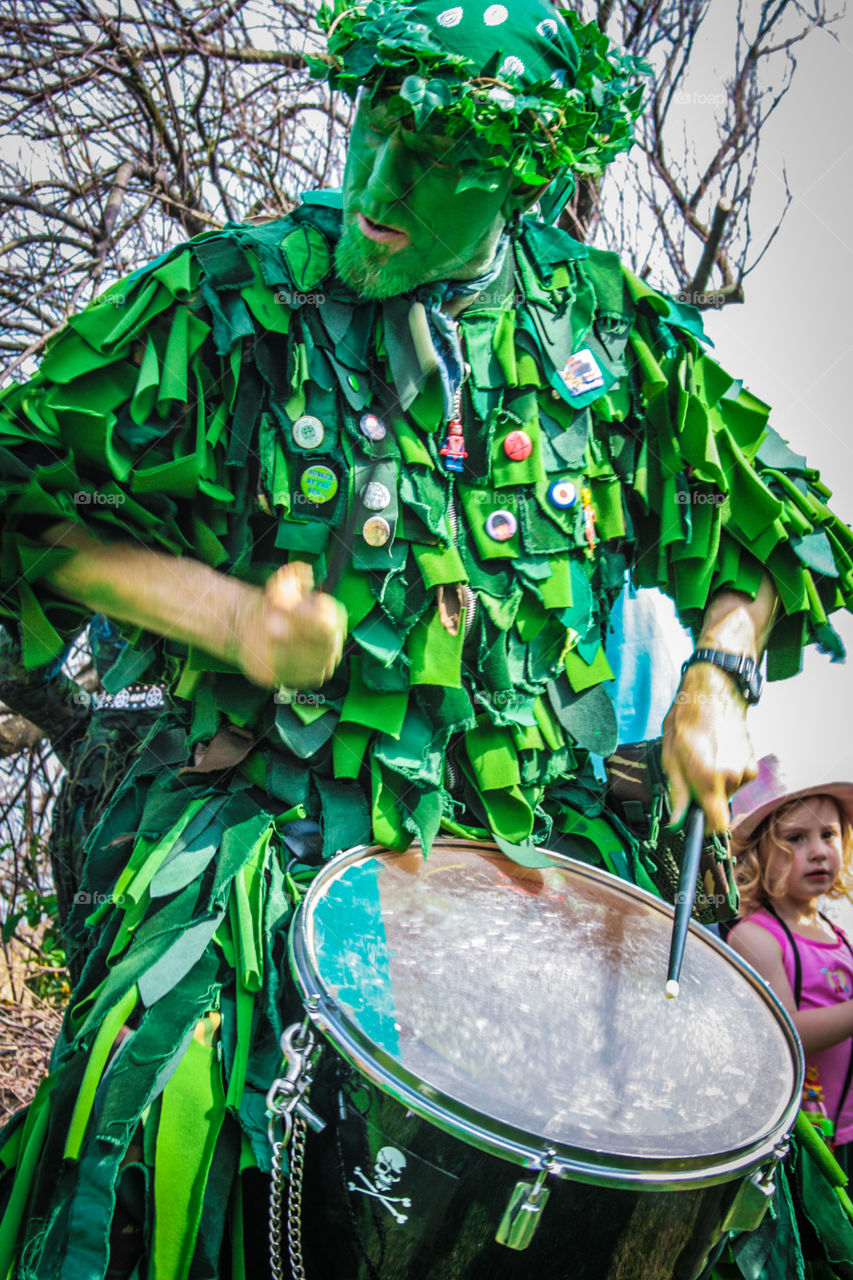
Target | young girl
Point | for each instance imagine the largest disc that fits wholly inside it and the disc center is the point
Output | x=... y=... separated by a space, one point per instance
x=793 y=846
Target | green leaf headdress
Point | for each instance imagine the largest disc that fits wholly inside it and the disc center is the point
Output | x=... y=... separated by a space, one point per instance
x=520 y=84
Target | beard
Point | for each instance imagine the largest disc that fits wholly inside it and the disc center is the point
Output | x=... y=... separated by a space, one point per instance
x=370 y=270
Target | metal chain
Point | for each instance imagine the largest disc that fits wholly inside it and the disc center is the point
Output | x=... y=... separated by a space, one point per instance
x=275 y=1210
x=294 y=1198
x=286 y=1102
x=294 y=1203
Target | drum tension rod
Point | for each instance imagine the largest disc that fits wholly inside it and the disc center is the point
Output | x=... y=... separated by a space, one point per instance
x=753 y=1195
x=524 y=1211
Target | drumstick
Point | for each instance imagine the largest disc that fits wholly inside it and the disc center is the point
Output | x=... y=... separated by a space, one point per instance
x=684 y=898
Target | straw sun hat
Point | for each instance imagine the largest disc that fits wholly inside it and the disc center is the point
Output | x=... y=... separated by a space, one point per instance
x=773 y=786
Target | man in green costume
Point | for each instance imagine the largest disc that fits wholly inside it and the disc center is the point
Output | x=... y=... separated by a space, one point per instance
x=466 y=427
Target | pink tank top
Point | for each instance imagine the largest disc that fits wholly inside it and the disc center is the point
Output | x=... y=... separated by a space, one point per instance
x=827 y=978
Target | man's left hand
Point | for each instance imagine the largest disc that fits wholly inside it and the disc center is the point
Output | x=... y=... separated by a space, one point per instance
x=707 y=753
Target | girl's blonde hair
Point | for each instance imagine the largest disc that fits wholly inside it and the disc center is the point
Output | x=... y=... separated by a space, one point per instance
x=752 y=869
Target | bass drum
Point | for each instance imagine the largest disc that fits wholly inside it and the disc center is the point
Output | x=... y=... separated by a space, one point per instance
x=508 y=1093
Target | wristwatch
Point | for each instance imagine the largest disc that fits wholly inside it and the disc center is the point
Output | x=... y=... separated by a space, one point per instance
x=744 y=670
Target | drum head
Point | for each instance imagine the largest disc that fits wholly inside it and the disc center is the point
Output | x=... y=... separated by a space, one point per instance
x=525 y=1010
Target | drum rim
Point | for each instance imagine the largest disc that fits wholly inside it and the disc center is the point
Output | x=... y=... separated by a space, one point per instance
x=508 y=1142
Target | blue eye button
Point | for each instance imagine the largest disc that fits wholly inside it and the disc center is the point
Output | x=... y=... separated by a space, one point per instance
x=562 y=494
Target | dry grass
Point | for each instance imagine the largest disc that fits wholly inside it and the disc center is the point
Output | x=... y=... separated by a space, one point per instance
x=27 y=1033
x=28 y=1028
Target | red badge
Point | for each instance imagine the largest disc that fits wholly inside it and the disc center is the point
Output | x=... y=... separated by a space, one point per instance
x=518 y=446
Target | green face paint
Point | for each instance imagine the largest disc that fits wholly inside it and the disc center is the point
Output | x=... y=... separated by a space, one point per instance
x=405 y=224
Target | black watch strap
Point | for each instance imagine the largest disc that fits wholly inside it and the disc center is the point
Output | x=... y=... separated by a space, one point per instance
x=743 y=669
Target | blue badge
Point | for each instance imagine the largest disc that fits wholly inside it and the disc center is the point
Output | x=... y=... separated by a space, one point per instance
x=562 y=494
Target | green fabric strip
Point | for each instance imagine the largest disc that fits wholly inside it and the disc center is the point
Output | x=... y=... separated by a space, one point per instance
x=98 y=1055
x=366 y=707
x=191 y=1115
x=35 y=1131
x=435 y=656
x=247 y=901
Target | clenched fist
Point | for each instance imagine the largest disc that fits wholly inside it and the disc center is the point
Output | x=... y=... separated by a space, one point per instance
x=288 y=633
x=707 y=753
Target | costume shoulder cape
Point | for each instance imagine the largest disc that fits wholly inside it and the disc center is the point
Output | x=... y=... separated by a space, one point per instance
x=165 y=414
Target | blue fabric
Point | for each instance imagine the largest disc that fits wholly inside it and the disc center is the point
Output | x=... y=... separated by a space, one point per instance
x=645 y=647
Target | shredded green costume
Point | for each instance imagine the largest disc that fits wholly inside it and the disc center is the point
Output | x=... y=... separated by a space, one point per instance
x=175 y=397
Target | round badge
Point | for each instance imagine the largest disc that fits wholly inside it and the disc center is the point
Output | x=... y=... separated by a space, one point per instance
x=375 y=496
x=501 y=525
x=376 y=531
x=371 y=426
x=319 y=483
x=518 y=446
x=308 y=432
x=562 y=494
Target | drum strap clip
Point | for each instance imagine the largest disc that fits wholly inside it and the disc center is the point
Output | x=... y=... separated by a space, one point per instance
x=286 y=1102
x=286 y=1095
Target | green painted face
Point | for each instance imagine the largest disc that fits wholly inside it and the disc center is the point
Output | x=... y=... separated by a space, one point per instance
x=404 y=222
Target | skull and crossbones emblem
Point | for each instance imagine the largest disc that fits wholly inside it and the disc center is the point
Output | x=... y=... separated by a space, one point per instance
x=387 y=1172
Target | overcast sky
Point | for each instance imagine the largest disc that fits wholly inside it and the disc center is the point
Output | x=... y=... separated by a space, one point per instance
x=792 y=343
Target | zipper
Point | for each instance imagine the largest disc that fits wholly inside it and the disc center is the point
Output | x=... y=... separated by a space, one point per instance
x=467 y=591
x=453 y=521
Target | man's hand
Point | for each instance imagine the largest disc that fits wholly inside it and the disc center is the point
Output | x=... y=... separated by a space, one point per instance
x=289 y=634
x=707 y=753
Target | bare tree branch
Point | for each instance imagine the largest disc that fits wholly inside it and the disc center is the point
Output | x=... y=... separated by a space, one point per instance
x=698 y=142
x=130 y=127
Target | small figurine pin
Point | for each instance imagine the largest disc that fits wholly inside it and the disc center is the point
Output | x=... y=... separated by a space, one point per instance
x=588 y=519
x=453 y=450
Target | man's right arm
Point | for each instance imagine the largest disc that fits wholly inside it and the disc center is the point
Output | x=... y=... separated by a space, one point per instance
x=282 y=633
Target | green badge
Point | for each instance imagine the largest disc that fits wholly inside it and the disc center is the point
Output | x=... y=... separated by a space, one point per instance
x=319 y=483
